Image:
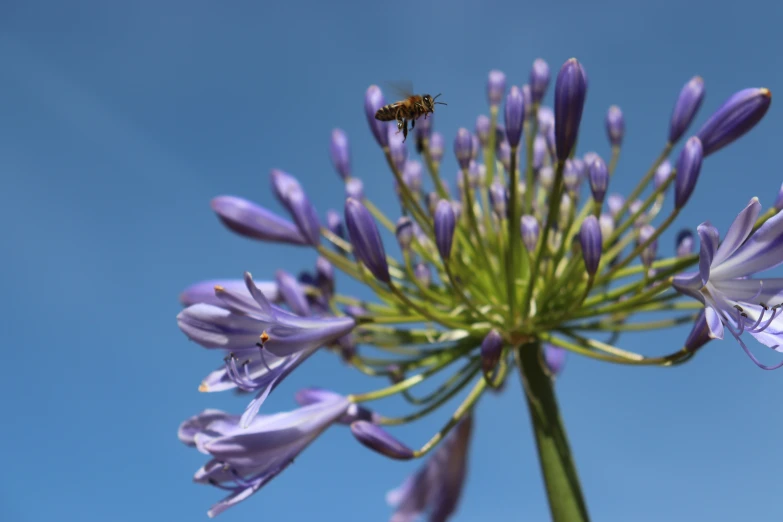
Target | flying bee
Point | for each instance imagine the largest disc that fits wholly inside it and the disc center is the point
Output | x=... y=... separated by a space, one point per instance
x=408 y=110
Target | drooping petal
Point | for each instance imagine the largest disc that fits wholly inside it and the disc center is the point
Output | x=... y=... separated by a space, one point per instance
x=709 y=237
x=768 y=291
x=738 y=232
x=762 y=251
x=713 y=323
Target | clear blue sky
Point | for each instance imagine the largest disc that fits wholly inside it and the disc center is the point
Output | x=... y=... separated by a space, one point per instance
x=119 y=121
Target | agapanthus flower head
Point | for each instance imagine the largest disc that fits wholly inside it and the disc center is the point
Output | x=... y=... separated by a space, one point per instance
x=688 y=103
x=518 y=267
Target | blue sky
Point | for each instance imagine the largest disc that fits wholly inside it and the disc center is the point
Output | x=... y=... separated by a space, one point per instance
x=119 y=123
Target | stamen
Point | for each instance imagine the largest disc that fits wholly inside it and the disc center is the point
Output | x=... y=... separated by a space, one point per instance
x=748 y=352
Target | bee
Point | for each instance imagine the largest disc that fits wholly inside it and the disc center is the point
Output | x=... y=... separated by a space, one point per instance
x=408 y=110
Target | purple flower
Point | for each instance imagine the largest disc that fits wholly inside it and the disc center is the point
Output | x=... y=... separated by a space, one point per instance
x=404 y=232
x=252 y=329
x=732 y=300
x=397 y=149
x=615 y=125
x=599 y=179
x=539 y=80
x=445 y=223
x=334 y=223
x=688 y=168
x=515 y=116
x=539 y=152
x=688 y=103
x=482 y=129
x=374 y=100
x=571 y=176
x=498 y=197
x=662 y=174
x=354 y=413
x=437 y=486
x=527 y=101
x=529 y=229
x=591 y=241
x=292 y=196
x=204 y=291
x=340 y=151
x=463 y=147
x=245 y=459
x=570 y=93
x=491 y=350
x=366 y=240
x=684 y=243
x=437 y=147
x=293 y=293
x=354 y=188
x=700 y=334
x=496 y=87
x=606 y=222
x=250 y=220
x=423 y=273
x=555 y=358
x=648 y=253
x=380 y=440
x=411 y=175
x=615 y=202
x=740 y=113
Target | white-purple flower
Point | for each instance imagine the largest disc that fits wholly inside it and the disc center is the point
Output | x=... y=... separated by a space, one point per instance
x=732 y=300
x=245 y=459
x=265 y=343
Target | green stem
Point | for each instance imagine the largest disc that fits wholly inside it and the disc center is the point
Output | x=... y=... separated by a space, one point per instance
x=566 y=502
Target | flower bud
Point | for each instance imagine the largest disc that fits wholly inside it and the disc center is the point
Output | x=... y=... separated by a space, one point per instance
x=475 y=146
x=324 y=275
x=463 y=145
x=514 y=116
x=252 y=221
x=380 y=440
x=504 y=154
x=423 y=273
x=340 y=150
x=648 y=253
x=589 y=158
x=736 y=116
x=700 y=334
x=684 y=243
x=374 y=100
x=445 y=222
x=779 y=200
x=606 y=222
x=570 y=93
x=527 y=101
x=292 y=293
x=615 y=202
x=498 y=197
x=283 y=185
x=688 y=168
x=662 y=174
x=539 y=80
x=599 y=179
x=412 y=175
x=305 y=217
x=491 y=350
x=592 y=243
x=555 y=358
x=366 y=240
x=354 y=188
x=539 y=152
x=688 y=103
x=404 y=232
x=571 y=177
x=335 y=224
x=529 y=229
x=397 y=149
x=482 y=129
x=546 y=177
x=496 y=87
x=546 y=119
x=615 y=126
x=437 y=147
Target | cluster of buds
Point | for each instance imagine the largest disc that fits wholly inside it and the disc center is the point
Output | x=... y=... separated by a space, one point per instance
x=529 y=259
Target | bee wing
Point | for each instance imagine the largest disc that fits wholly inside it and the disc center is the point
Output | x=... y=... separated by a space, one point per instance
x=399 y=89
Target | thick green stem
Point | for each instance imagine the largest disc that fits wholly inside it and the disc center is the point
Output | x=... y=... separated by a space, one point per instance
x=557 y=466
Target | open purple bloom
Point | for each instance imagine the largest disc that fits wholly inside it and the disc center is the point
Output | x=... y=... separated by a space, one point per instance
x=245 y=459
x=732 y=300
x=437 y=486
x=204 y=291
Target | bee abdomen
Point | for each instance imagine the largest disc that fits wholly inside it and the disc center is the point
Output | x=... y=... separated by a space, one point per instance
x=386 y=113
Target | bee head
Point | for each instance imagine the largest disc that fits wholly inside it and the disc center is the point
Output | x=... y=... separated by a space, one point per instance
x=429 y=102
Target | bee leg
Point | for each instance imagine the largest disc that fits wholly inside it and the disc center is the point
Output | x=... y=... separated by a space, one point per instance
x=400 y=123
x=413 y=124
x=405 y=131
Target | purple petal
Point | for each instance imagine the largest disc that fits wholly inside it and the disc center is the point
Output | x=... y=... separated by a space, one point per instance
x=713 y=323
x=204 y=291
x=768 y=290
x=250 y=220
x=738 y=232
x=709 y=237
x=762 y=251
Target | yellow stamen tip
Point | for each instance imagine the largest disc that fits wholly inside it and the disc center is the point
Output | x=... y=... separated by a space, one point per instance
x=203 y=387
x=219 y=288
